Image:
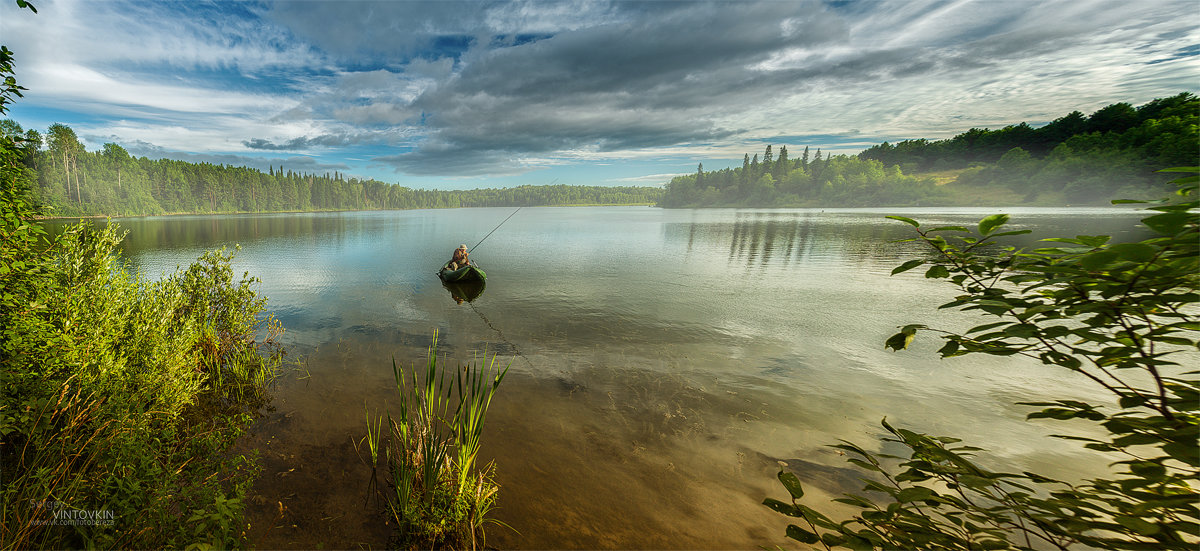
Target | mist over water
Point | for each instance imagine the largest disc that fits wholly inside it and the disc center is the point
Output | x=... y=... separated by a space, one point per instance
x=663 y=361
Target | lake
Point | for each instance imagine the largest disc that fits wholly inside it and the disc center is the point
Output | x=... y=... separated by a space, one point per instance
x=663 y=361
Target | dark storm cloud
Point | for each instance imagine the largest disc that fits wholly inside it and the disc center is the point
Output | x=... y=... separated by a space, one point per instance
x=636 y=81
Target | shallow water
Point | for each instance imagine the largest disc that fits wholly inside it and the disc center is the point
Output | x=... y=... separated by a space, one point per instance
x=663 y=361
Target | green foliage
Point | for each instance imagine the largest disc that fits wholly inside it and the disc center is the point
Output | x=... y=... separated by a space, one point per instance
x=72 y=181
x=1119 y=315
x=122 y=396
x=1087 y=159
x=834 y=180
x=439 y=497
x=119 y=397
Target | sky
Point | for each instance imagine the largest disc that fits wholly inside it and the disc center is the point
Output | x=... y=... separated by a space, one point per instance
x=460 y=95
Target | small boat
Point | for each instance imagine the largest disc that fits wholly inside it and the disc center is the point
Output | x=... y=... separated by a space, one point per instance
x=466 y=273
x=465 y=291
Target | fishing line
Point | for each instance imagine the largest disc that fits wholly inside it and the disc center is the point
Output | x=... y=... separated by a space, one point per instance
x=500 y=333
x=494 y=230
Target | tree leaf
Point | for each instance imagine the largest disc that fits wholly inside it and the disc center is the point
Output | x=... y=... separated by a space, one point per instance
x=792 y=483
x=1014 y=232
x=1137 y=525
x=781 y=507
x=801 y=535
x=908 y=221
x=907 y=266
x=1098 y=260
x=1169 y=223
x=989 y=224
x=916 y=493
x=899 y=341
x=1137 y=252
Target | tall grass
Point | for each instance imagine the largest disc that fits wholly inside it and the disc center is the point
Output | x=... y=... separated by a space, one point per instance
x=438 y=495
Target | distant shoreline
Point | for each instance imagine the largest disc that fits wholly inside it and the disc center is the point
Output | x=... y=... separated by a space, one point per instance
x=229 y=213
x=882 y=208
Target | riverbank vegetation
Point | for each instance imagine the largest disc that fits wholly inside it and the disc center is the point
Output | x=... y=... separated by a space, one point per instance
x=71 y=182
x=437 y=494
x=1118 y=315
x=119 y=396
x=122 y=396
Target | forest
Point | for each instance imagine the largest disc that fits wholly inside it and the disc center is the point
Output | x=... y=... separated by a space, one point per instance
x=834 y=180
x=1113 y=151
x=71 y=181
x=1075 y=159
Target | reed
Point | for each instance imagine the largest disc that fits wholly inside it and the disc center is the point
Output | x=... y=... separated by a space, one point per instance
x=439 y=496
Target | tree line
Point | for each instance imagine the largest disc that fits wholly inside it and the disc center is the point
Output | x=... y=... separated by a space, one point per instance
x=71 y=181
x=1114 y=150
x=1075 y=158
x=834 y=180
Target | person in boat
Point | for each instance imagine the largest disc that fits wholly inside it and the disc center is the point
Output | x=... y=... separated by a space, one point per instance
x=460 y=258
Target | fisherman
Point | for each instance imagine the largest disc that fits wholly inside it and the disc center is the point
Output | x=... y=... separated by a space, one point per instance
x=459 y=259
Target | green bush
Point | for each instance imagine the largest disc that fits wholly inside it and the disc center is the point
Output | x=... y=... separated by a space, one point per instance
x=1117 y=314
x=121 y=396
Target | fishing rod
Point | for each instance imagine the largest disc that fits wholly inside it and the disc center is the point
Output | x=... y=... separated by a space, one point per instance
x=494 y=230
x=501 y=224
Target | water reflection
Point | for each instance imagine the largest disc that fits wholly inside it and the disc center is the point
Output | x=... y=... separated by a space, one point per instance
x=757 y=239
x=466 y=291
x=657 y=377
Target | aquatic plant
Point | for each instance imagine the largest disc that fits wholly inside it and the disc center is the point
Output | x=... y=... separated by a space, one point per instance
x=438 y=496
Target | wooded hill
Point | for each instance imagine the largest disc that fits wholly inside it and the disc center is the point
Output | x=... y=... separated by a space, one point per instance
x=72 y=181
x=1115 y=149
x=1075 y=159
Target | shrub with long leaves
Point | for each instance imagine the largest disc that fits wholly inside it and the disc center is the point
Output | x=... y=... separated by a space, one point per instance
x=1122 y=316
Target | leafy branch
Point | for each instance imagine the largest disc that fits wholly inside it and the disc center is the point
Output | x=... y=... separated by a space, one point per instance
x=1118 y=314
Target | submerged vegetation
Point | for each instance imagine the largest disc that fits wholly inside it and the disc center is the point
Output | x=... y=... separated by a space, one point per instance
x=1118 y=315
x=437 y=495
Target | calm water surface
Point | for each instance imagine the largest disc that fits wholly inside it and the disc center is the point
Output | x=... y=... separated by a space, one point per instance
x=663 y=361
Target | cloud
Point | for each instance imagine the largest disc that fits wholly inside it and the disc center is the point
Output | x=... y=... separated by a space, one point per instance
x=295 y=163
x=479 y=89
x=328 y=140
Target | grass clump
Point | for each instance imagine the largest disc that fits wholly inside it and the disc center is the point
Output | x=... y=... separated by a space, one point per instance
x=437 y=493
